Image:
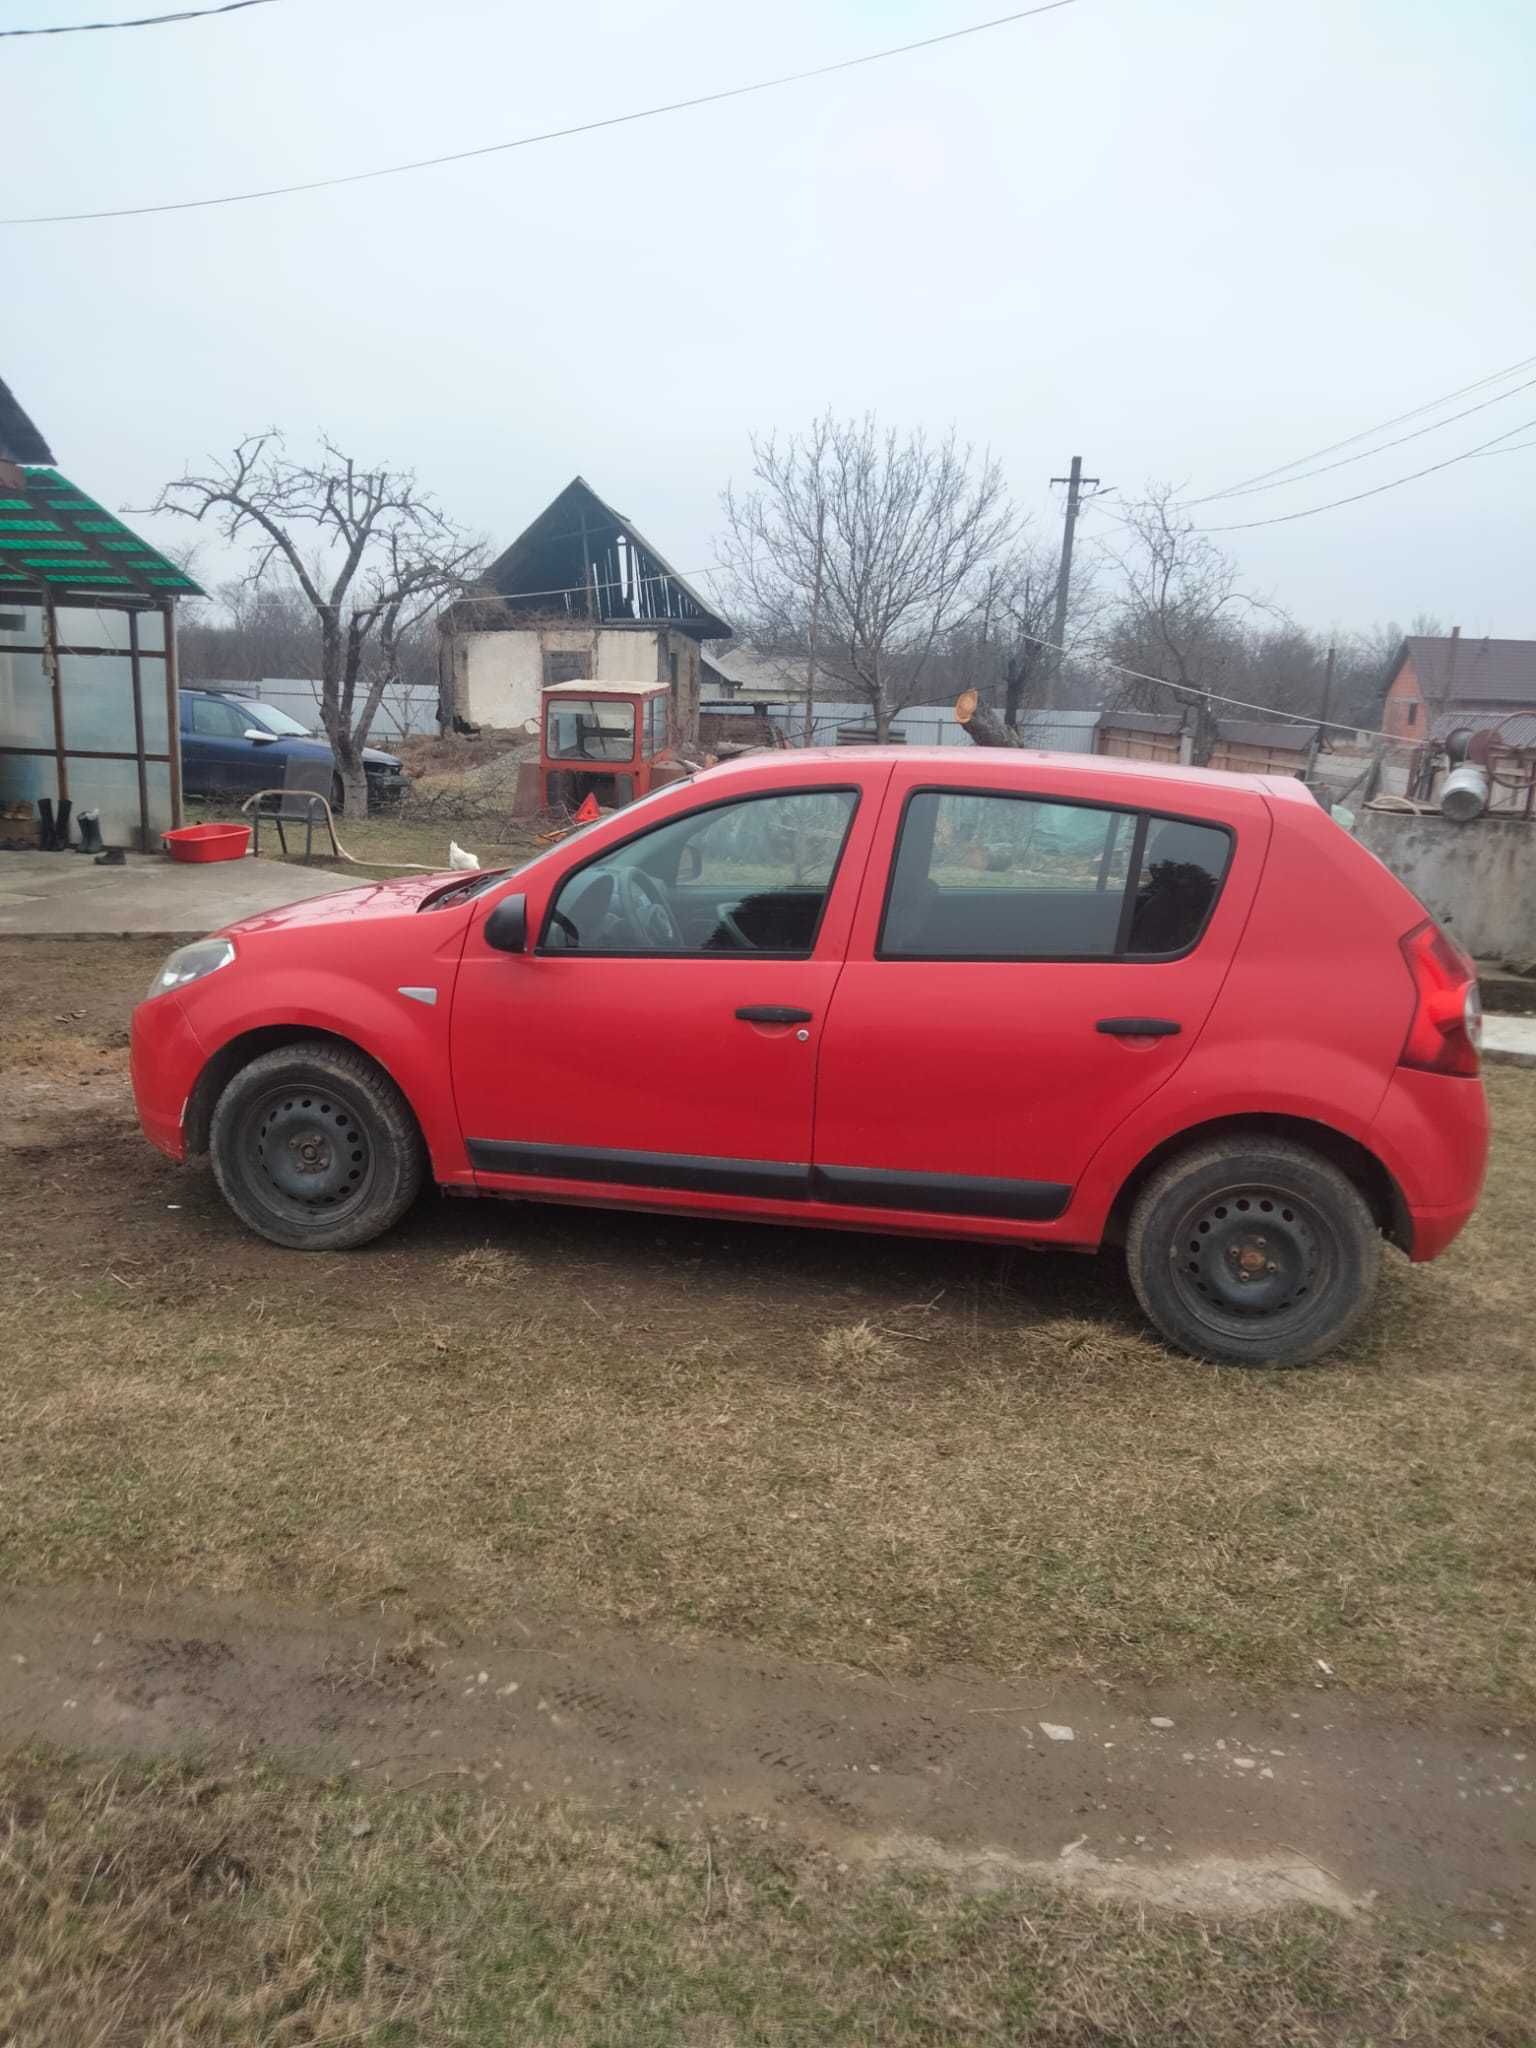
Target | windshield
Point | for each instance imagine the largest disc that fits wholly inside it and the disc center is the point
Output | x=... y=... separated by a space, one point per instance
x=590 y=729
x=278 y=721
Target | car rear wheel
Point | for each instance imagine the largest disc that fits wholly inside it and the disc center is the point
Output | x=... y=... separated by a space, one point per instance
x=1253 y=1251
x=315 y=1148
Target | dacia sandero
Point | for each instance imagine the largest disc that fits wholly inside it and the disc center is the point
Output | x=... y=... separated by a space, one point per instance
x=1051 y=1000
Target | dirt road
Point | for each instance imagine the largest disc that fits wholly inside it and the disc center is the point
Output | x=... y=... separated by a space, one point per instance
x=1170 y=1797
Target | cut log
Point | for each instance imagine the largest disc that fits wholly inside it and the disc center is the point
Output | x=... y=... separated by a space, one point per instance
x=984 y=727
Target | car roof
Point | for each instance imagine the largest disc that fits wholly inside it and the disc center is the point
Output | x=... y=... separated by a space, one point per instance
x=1104 y=775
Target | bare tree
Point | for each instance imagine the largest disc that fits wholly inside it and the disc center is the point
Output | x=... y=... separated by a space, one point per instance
x=879 y=542
x=1013 y=652
x=367 y=551
x=1181 y=616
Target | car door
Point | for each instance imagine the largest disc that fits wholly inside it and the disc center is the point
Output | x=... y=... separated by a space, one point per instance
x=661 y=1031
x=1026 y=968
x=217 y=758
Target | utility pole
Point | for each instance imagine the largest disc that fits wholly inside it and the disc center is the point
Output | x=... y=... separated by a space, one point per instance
x=1074 y=484
x=1322 y=716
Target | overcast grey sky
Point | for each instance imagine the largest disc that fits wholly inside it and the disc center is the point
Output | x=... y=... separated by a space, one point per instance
x=1189 y=239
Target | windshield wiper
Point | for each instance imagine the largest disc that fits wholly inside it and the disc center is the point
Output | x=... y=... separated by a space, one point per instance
x=462 y=892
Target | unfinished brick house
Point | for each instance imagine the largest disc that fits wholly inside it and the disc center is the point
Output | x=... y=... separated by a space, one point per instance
x=580 y=595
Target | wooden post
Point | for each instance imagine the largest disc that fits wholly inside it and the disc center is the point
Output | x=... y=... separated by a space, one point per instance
x=172 y=708
x=135 y=672
x=56 y=686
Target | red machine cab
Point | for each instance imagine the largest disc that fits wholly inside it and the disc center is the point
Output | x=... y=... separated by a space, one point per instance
x=609 y=742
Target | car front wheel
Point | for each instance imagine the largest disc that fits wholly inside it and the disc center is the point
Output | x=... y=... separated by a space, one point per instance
x=1253 y=1251
x=314 y=1147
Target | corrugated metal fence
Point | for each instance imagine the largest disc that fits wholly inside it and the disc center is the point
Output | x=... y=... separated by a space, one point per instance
x=406 y=709
x=920 y=725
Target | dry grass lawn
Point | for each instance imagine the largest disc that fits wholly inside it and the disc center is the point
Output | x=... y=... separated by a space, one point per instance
x=894 y=1455
x=392 y=841
x=176 y=1908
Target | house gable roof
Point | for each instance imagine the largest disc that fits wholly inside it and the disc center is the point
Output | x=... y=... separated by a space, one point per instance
x=581 y=551
x=20 y=441
x=1456 y=670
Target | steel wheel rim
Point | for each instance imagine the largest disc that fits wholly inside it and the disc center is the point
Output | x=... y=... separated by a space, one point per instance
x=308 y=1153
x=1250 y=1257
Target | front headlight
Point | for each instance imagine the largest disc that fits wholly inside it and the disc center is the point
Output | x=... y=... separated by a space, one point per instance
x=191 y=963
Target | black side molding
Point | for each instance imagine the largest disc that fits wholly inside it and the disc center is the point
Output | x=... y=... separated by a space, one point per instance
x=1138 y=1027
x=942 y=1194
x=779 y=1179
x=858 y=1187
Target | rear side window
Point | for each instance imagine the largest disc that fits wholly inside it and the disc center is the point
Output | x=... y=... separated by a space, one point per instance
x=1177 y=883
x=988 y=877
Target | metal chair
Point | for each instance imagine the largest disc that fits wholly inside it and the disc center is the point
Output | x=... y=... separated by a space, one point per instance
x=304 y=799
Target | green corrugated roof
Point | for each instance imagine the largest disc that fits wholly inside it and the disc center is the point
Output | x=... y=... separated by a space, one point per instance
x=53 y=536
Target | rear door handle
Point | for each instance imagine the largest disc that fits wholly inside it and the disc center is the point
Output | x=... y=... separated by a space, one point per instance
x=771 y=1013
x=1138 y=1027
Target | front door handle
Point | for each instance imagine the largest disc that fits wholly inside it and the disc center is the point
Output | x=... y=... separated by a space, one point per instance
x=1138 y=1027
x=771 y=1013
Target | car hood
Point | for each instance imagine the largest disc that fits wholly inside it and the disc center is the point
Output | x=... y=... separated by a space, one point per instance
x=397 y=898
x=320 y=750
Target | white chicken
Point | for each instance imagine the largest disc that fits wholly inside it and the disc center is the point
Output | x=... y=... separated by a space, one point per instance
x=458 y=858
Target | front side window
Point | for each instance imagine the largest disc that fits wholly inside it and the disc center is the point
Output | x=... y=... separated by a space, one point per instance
x=1015 y=878
x=589 y=729
x=216 y=721
x=747 y=877
x=279 y=722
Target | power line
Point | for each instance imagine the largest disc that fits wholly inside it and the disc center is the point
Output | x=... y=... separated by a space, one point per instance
x=1215 y=696
x=1365 y=454
x=1281 y=518
x=79 y=28
x=706 y=99
x=1365 y=433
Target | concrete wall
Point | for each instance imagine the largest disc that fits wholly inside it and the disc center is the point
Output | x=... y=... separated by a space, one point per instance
x=1478 y=879
x=498 y=676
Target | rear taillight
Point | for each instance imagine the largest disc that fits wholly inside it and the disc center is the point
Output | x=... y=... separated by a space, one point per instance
x=1447 y=1027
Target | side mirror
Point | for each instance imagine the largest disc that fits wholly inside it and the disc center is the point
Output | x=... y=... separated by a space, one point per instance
x=262 y=739
x=507 y=926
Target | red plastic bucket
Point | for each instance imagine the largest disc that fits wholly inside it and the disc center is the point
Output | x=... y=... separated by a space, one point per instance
x=208 y=842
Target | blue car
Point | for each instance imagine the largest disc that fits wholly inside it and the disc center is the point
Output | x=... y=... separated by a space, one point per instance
x=232 y=746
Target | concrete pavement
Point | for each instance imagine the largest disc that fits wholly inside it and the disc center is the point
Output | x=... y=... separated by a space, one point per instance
x=65 y=895
x=1509 y=1041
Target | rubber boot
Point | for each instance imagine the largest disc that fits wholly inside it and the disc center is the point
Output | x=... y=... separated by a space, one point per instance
x=61 y=826
x=45 y=824
x=91 y=840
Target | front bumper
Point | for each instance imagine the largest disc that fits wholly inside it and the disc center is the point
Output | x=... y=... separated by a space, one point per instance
x=386 y=785
x=165 y=1059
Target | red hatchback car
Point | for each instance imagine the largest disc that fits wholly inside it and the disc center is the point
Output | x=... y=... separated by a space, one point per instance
x=1033 y=998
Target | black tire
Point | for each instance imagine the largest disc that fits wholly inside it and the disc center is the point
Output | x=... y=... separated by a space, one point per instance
x=315 y=1148
x=1253 y=1251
